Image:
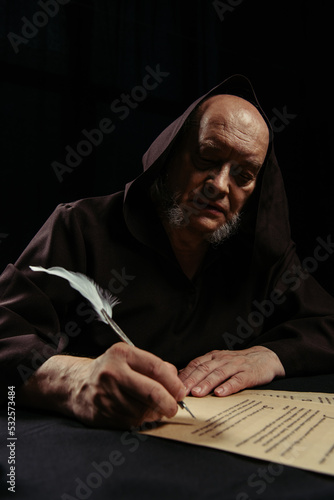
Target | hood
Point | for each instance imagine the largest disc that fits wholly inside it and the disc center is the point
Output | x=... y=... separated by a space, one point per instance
x=152 y=160
x=265 y=227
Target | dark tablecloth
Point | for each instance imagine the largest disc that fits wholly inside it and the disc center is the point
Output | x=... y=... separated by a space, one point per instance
x=58 y=458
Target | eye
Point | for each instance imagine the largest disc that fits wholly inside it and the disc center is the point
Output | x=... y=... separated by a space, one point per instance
x=235 y=170
x=242 y=175
x=245 y=178
x=205 y=163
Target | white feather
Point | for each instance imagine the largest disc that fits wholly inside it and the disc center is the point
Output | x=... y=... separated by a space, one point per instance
x=99 y=298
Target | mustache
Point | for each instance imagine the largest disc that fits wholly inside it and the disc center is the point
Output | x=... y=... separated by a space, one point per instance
x=171 y=207
x=203 y=198
x=171 y=202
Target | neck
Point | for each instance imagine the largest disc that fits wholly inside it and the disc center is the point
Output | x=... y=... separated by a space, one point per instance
x=189 y=248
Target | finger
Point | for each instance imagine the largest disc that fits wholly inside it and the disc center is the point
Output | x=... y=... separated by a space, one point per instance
x=236 y=383
x=187 y=371
x=208 y=375
x=171 y=368
x=196 y=371
x=220 y=372
x=211 y=374
x=144 y=377
x=153 y=367
x=150 y=393
x=130 y=396
x=122 y=412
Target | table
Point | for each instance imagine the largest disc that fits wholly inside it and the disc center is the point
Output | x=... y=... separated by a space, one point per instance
x=59 y=458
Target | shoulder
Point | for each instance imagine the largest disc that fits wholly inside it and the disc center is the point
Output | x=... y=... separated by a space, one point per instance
x=74 y=226
x=87 y=212
x=90 y=208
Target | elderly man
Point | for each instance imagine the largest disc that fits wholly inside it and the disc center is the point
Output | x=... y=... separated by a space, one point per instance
x=199 y=249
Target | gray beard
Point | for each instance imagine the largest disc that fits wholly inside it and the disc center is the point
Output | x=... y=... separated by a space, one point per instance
x=177 y=216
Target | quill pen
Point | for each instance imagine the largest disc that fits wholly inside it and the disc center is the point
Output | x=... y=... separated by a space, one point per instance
x=101 y=300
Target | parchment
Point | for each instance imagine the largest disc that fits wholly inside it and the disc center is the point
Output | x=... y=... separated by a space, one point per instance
x=288 y=431
x=315 y=397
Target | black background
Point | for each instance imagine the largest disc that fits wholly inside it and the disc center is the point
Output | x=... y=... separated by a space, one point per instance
x=66 y=76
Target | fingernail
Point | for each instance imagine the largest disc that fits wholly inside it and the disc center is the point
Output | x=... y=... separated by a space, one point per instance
x=197 y=390
x=187 y=391
x=220 y=391
x=181 y=394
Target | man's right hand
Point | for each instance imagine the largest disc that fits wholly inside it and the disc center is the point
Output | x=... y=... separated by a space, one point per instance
x=123 y=387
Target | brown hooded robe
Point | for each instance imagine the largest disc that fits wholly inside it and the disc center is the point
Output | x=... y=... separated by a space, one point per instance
x=249 y=291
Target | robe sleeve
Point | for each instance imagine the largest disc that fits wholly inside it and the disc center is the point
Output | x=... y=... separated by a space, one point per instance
x=299 y=327
x=30 y=304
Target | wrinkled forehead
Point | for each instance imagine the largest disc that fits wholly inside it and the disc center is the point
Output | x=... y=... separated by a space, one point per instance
x=225 y=108
x=227 y=114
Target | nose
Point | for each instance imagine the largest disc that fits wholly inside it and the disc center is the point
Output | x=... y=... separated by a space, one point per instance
x=219 y=182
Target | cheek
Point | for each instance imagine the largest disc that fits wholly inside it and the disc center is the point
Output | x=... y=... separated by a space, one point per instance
x=183 y=179
x=193 y=185
x=238 y=197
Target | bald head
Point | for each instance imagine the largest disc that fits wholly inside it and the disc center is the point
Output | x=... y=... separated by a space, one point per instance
x=214 y=166
x=233 y=114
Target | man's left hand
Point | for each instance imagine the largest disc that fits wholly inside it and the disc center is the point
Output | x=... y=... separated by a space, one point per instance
x=227 y=372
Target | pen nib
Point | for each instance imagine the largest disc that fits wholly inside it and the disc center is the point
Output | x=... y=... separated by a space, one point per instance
x=183 y=405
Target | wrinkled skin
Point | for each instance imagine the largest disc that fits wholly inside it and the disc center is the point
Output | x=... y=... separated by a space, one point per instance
x=125 y=387
x=218 y=162
x=227 y=372
x=122 y=388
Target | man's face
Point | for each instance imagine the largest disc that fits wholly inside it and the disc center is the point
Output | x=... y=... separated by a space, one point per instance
x=214 y=171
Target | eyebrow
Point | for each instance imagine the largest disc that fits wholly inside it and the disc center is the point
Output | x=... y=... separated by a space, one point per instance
x=211 y=145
